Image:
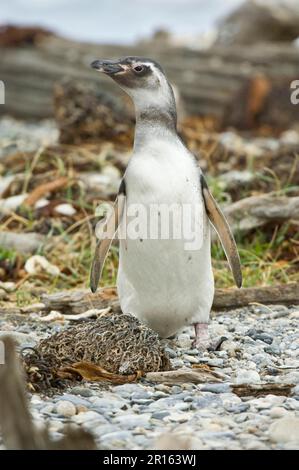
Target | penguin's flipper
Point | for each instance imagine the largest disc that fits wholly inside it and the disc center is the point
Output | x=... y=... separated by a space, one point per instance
x=109 y=226
x=223 y=230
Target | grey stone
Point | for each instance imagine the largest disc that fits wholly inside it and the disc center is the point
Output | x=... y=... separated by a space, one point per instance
x=87 y=416
x=160 y=414
x=260 y=335
x=132 y=421
x=74 y=399
x=216 y=388
x=83 y=391
x=237 y=408
x=171 y=353
x=273 y=349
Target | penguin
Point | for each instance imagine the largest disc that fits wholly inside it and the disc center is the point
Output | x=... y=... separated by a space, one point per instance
x=164 y=282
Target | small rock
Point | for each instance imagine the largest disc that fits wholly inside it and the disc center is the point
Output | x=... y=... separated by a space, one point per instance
x=65 y=408
x=191 y=359
x=88 y=416
x=81 y=409
x=171 y=353
x=36 y=264
x=273 y=349
x=65 y=209
x=245 y=376
x=131 y=421
x=216 y=388
x=184 y=341
x=8 y=286
x=294 y=315
x=259 y=335
x=3 y=295
x=237 y=408
x=160 y=414
x=285 y=430
x=48 y=409
x=230 y=347
x=215 y=362
x=179 y=417
x=83 y=391
x=277 y=412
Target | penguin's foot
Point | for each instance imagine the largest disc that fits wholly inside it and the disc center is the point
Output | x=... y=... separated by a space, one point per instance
x=202 y=339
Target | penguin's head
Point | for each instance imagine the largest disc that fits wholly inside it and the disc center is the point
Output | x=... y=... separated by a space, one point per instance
x=142 y=79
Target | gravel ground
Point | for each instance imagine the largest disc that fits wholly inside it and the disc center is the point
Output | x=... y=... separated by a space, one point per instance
x=262 y=347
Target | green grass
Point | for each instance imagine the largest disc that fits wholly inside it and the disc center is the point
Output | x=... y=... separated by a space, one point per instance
x=267 y=257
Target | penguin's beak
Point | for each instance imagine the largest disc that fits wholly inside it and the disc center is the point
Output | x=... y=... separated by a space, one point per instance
x=110 y=67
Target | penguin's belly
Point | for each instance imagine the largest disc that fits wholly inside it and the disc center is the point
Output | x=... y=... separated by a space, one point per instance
x=162 y=281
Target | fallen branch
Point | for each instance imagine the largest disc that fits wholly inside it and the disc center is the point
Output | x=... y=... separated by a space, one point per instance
x=76 y=302
x=256 y=211
x=261 y=390
x=281 y=294
x=195 y=376
x=18 y=430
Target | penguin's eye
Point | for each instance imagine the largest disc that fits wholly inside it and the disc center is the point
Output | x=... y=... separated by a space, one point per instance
x=138 y=68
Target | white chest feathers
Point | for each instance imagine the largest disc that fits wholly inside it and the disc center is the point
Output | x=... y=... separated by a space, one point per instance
x=162 y=280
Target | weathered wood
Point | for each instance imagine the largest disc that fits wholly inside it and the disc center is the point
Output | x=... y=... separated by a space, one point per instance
x=209 y=81
x=18 y=430
x=196 y=376
x=261 y=390
x=255 y=211
x=281 y=294
x=74 y=302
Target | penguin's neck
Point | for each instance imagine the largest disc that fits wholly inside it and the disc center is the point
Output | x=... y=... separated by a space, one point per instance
x=155 y=121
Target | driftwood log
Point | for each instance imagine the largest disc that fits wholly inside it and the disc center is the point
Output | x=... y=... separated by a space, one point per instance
x=208 y=80
x=18 y=430
x=74 y=302
x=255 y=211
x=281 y=294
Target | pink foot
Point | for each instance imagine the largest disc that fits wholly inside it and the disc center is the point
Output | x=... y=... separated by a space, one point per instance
x=201 y=341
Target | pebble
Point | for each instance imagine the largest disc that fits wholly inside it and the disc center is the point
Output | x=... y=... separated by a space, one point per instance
x=160 y=414
x=179 y=417
x=191 y=359
x=83 y=391
x=171 y=352
x=131 y=421
x=285 y=430
x=184 y=341
x=277 y=412
x=65 y=408
x=134 y=415
x=245 y=376
x=88 y=416
x=215 y=388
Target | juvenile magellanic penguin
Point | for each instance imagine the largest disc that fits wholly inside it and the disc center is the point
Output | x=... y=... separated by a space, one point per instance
x=163 y=282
